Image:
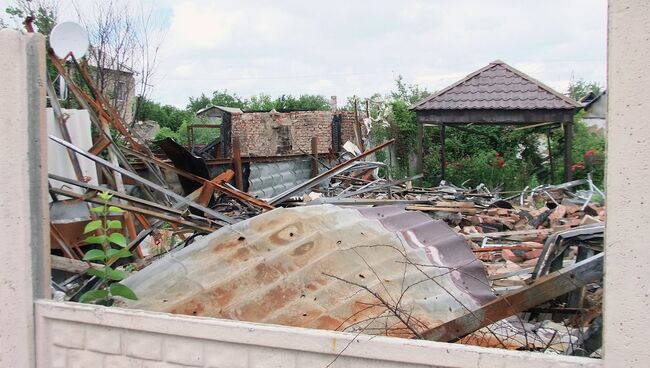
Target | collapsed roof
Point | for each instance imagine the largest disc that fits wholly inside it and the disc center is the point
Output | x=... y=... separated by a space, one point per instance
x=377 y=270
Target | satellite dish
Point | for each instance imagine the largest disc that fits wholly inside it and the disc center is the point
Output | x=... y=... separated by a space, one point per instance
x=69 y=37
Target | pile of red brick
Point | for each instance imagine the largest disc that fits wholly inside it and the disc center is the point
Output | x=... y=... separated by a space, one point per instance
x=520 y=232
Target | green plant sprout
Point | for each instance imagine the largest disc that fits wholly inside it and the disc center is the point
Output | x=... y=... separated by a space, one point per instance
x=102 y=233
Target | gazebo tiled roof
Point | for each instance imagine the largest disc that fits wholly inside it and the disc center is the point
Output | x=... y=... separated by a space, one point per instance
x=497 y=86
x=496 y=94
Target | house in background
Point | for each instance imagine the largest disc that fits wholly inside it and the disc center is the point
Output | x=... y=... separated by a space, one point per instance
x=214 y=114
x=595 y=106
x=119 y=87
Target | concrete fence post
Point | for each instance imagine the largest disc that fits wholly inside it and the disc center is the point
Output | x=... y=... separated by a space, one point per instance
x=627 y=274
x=24 y=239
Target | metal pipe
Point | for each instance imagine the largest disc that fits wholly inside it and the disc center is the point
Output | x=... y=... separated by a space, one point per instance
x=179 y=198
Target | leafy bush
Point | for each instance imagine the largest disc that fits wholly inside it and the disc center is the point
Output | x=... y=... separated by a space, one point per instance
x=166 y=116
x=588 y=153
x=491 y=169
x=166 y=132
x=201 y=135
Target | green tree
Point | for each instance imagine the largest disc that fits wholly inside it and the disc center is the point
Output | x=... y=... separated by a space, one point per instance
x=403 y=127
x=223 y=98
x=580 y=88
x=409 y=93
x=44 y=13
x=166 y=116
x=197 y=103
x=260 y=102
x=303 y=102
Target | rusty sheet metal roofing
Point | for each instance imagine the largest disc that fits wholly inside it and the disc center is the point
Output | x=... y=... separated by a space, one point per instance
x=323 y=267
x=497 y=86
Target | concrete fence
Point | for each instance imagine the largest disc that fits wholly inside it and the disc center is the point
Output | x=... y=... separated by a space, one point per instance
x=76 y=335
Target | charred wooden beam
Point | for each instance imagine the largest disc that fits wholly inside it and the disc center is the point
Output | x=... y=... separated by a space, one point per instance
x=236 y=164
x=544 y=289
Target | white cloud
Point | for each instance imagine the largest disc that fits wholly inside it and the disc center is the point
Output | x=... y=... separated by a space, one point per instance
x=201 y=27
x=344 y=48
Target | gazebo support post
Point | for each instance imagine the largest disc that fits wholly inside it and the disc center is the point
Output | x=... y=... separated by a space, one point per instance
x=419 y=166
x=568 y=145
x=550 y=155
x=442 y=151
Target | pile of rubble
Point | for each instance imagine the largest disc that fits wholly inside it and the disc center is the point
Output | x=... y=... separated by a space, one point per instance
x=350 y=250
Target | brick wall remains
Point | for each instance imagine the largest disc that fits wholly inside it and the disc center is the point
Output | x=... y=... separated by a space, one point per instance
x=261 y=133
x=347 y=127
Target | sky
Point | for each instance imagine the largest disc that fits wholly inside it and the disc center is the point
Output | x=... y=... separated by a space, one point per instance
x=345 y=48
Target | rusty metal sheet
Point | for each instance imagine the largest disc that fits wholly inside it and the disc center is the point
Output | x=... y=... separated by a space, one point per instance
x=375 y=270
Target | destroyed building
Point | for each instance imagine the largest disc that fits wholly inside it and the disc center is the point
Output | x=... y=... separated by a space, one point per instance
x=356 y=257
x=273 y=133
x=278 y=222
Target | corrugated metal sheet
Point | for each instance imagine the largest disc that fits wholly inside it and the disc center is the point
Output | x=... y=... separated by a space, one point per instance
x=271 y=178
x=497 y=86
x=322 y=267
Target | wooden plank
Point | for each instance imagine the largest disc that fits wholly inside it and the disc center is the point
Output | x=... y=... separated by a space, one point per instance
x=544 y=289
x=568 y=144
x=99 y=146
x=236 y=164
x=59 y=239
x=314 y=161
x=419 y=163
x=508 y=233
x=129 y=223
x=207 y=190
x=465 y=204
x=443 y=160
x=513 y=247
x=70 y=265
x=142 y=220
x=425 y=208
x=550 y=156
x=314 y=157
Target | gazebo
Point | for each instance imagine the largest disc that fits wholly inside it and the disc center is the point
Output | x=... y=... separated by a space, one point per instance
x=496 y=94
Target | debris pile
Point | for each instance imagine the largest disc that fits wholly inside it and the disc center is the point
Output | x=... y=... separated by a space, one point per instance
x=347 y=249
